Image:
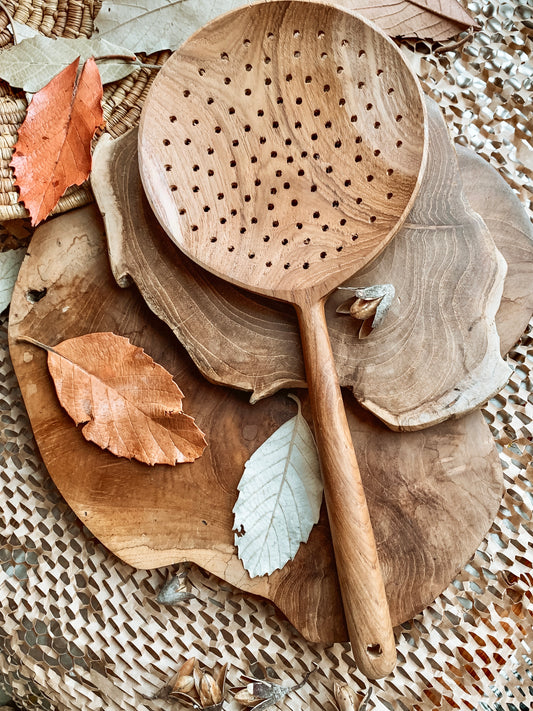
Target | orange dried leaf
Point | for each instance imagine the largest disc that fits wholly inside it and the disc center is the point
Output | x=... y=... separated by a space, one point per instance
x=53 y=150
x=125 y=401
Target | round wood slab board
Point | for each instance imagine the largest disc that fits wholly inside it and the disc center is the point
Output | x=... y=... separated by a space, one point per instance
x=432 y=494
x=443 y=263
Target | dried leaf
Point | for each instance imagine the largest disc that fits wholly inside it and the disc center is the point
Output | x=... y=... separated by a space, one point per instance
x=280 y=494
x=152 y=25
x=10 y=262
x=53 y=150
x=22 y=31
x=34 y=62
x=435 y=20
x=127 y=403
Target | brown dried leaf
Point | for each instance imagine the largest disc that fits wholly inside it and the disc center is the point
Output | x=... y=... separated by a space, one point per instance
x=53 y=150
x=126 y=403
x=435 y=20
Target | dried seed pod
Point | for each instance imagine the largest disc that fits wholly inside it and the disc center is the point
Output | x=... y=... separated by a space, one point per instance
x=183 y=685
x=346 y=698
x=246 y=697
x=207 y=683
x=362 y=309
x=262 y=693
x=187 y=667
x=369 y=302
x=176 y=590
x=221 y=680
x=197 y=675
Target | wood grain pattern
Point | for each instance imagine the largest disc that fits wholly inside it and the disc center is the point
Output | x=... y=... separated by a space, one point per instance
x=251 y=343
x=264 y=164
x=508 y=222
x=266 y=146
x=437 y=354
x=432 y=494
x=356 y=557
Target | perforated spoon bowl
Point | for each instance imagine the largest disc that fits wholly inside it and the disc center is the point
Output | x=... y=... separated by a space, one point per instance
x=281 y=147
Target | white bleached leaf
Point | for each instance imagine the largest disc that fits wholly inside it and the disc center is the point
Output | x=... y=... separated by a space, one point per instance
x=280 y=493
x=32 y=63
x=152 y=25
x=9 y=268
x=24 y=31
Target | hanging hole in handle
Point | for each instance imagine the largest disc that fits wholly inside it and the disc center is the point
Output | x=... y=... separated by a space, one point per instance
x=374 y=650
x=35 y=295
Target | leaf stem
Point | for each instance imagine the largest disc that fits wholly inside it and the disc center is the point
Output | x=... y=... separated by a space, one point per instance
x=125 y=58
x=11 y=22
x=34 y=342
x=304 y=680
x=297 y=401
x=456 y=45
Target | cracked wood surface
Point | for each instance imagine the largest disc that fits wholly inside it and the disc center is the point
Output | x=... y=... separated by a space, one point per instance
x=432 y=494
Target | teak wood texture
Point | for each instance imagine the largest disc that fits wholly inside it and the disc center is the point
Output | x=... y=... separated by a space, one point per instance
x=432 y=494
x=282 y=145
x=268 y=123
x=252 y=343
x=509 y=224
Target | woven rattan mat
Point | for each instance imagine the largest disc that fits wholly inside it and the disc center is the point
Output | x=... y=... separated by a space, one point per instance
x=80 y=630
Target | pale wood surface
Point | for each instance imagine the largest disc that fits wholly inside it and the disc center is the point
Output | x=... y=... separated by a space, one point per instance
x=432 y=494
x=251 y=343
x=356 y=558
x=437 y=354
x=307 y=143
x=270 y=120
x=511 y=228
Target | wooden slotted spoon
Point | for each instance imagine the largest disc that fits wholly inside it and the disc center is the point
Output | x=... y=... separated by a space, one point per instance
x=281 y=148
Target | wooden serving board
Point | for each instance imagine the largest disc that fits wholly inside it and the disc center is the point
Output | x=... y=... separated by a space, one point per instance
x=443 y=263
x=432 y=494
